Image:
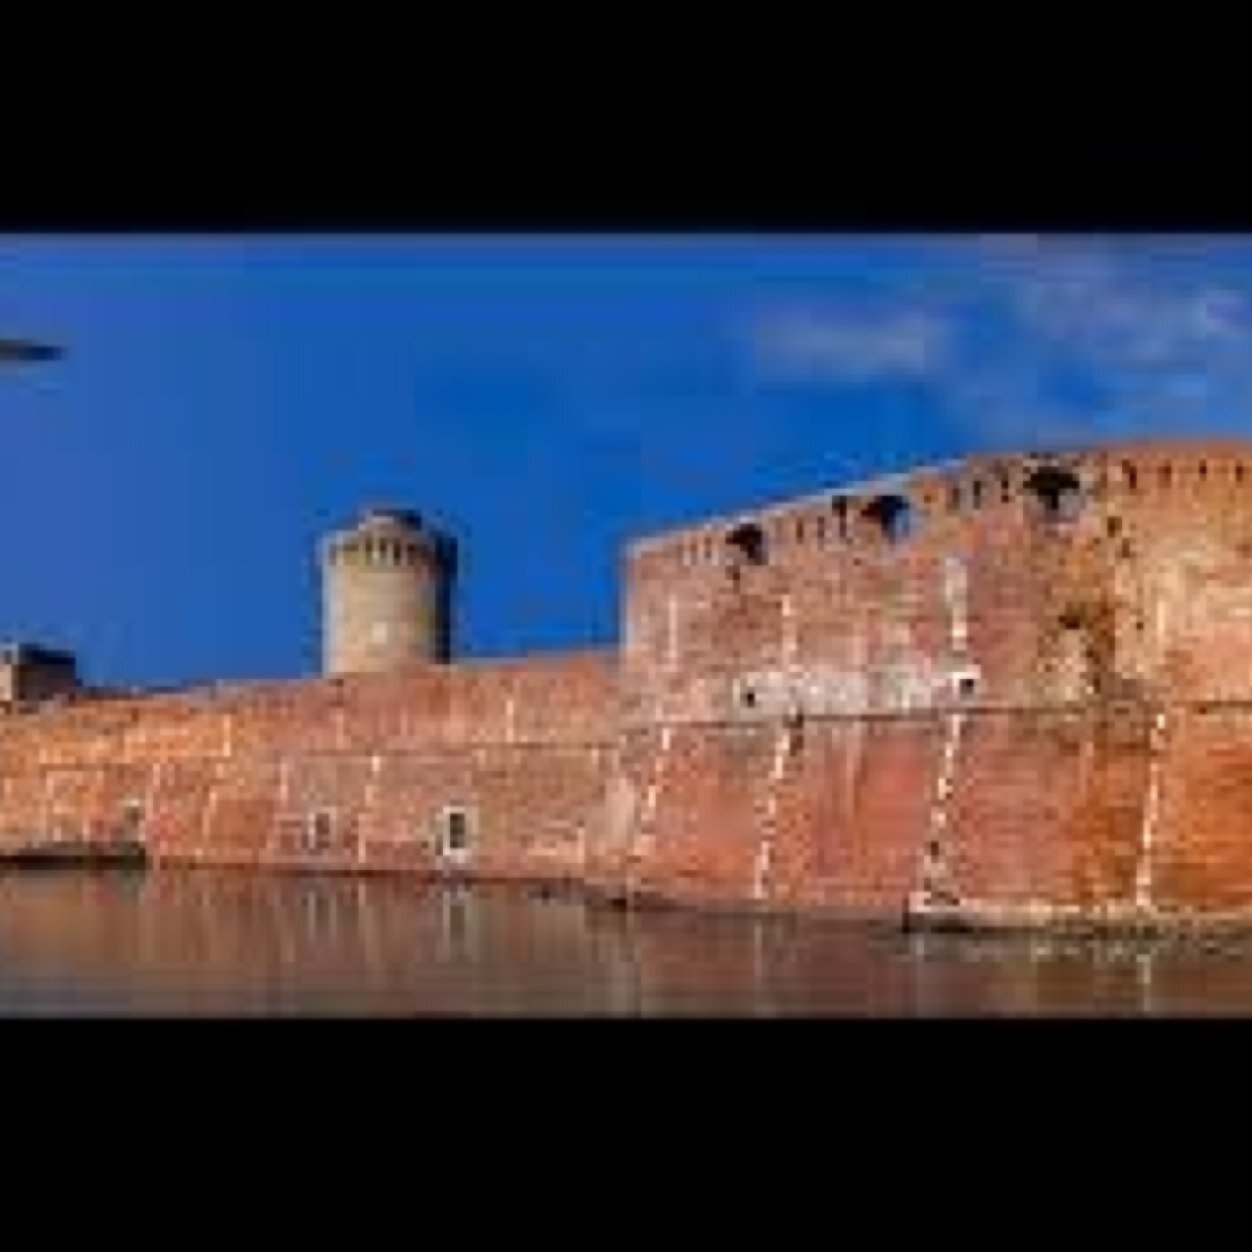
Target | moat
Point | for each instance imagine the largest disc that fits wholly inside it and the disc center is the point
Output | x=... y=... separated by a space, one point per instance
x=215 y=942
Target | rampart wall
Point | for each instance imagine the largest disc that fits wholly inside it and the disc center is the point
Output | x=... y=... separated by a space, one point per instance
x=239 y=775
x=1013 y=685
x=1013 y=688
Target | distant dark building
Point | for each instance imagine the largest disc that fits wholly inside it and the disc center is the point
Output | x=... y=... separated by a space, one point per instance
x=30 y=673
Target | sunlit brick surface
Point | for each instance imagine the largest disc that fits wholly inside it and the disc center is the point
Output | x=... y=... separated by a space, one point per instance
x=1034 y=699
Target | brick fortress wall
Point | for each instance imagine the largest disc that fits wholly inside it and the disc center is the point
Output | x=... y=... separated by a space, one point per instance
x=351 y=772
x=1013 y=682
x=1009 y=685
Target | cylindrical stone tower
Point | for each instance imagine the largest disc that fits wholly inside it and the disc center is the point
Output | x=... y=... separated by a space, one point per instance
x=386 y=594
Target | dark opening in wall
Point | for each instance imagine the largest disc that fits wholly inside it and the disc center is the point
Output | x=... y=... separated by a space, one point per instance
x=954 y=498
x=1202 y=470
x=747 y=544
x=975 y=493
x=1131 y=476
x=454 y=833
x=1057 y=492
x=893 y=514
x=839 y=506
x=1165 y=473
x=1006 y=489
x=456 y=838
x=318 y=830
x=747 y=697
x=1114 y=526
x=1239 y=472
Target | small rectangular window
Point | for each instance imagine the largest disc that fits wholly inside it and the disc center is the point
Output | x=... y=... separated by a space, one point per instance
x=455 y=833
x=458 y=832
x=965 y=684
x=318 y=830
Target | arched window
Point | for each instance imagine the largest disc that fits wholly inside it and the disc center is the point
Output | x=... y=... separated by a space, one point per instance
x=1057 y=492
x=747 y=544
x=893 y=514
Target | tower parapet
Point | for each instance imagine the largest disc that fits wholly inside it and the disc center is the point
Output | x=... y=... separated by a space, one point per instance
x=387 y=585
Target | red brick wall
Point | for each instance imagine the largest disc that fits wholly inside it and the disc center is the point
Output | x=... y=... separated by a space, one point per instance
x=790 y=735
x=231 y=775
x=1154 y=577
x=1076 y=630
x=1202 y=853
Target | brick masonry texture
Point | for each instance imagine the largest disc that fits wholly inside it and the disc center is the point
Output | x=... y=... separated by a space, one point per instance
x=1010 y=689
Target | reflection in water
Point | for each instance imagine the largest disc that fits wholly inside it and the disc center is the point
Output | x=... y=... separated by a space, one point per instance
x=204 y=941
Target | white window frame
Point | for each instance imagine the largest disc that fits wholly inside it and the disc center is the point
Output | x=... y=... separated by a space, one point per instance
x=446 y=853
x=314 y=841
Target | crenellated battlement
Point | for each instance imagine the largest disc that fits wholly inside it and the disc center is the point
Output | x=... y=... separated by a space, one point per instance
x=980 y=492
x=386 y=536
x=387 y=586
x=1046 y=577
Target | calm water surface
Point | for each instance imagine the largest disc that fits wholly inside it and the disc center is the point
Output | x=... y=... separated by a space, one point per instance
x=205 y=942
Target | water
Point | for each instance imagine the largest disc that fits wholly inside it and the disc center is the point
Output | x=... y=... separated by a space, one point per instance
x=195 y=942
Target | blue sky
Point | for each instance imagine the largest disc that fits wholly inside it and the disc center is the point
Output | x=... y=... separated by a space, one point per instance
x=224 y=401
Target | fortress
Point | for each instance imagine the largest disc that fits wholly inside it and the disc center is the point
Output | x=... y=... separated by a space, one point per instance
x=1011 y=690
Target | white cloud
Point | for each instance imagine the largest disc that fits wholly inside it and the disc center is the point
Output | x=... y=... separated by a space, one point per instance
x=1037 y=339
x=1096 y=303
x=809 y=342
x=1161 y=330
